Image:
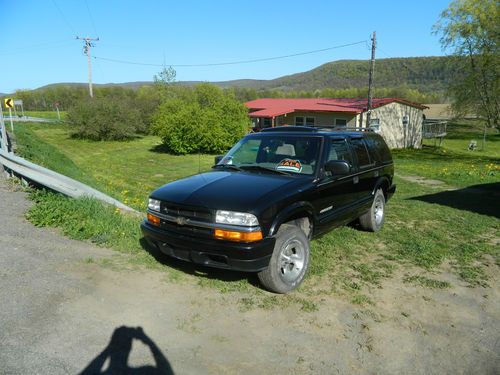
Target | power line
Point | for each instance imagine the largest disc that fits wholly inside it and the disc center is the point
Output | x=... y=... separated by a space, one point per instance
x=231 y=62
x=91 y=18
x=28 y=49
x=64 y=17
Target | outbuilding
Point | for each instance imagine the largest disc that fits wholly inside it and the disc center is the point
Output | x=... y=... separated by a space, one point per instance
x=399 y=121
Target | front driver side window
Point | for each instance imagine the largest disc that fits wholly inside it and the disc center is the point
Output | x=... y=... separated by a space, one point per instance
x=339 y=151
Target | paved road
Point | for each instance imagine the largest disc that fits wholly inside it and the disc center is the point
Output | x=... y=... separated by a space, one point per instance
x=61 y=314
x=27 y=119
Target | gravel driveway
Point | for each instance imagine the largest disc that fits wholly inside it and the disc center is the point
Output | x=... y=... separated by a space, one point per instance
x=62 y=314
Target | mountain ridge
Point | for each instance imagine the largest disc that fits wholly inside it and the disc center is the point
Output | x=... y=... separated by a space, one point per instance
x=425 y=73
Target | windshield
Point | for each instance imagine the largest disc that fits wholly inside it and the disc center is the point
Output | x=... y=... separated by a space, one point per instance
x=277 y=152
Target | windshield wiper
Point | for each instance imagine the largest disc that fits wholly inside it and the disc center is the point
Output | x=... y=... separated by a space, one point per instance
x=228 y=166
x=261 y=168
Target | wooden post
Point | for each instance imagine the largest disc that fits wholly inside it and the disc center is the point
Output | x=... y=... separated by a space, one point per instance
x=484 y=137
x=370 y=80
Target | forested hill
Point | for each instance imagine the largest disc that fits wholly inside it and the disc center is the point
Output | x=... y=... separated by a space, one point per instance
x=426 y=74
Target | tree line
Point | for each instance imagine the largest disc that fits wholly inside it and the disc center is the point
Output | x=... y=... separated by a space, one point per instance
x=147 y=98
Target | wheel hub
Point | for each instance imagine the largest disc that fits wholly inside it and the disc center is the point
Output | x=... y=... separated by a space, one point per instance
x=378 y=212
x=292 y=259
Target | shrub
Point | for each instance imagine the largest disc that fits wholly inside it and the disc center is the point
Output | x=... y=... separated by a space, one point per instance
x=204 y=119
x=105 y=118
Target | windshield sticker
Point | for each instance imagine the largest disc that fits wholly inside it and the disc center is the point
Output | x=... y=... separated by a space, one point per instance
x=227 y=160
x=289 y=165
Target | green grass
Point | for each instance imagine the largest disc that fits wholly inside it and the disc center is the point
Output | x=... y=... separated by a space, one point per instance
x=46 y=114
x=427 y=282
x=129 y=170
x=453 y=163
x=420 y=231
x=33 y=148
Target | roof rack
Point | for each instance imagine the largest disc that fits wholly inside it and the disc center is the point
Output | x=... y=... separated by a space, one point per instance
x=345 y=128
x=291 y=128
x=312 y=129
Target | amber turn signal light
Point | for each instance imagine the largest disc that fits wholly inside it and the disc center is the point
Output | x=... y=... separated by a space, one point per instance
x=237 y=236
x=155 y=220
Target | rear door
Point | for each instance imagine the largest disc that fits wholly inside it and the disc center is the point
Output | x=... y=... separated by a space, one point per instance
x=365 y=172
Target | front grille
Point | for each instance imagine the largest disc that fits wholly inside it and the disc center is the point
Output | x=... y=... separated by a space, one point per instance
x=188 y=230
x=188 y=212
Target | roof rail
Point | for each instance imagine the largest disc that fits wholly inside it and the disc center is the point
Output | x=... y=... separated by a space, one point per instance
x=346 y=128
x=291 y=128
x=312 y=129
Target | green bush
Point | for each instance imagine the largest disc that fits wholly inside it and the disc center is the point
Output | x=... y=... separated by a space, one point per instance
x=203 y=119
x=106 y=118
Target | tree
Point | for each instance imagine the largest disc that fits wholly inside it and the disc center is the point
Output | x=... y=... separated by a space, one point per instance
x=201 y=119
x=163 y=82
x=105 y=119
x=470 y=29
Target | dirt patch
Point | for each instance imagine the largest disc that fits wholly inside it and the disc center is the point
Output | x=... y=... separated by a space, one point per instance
x=423 y=181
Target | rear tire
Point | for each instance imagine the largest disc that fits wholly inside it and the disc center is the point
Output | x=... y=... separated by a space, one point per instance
x=373 y=219
x=289 y=262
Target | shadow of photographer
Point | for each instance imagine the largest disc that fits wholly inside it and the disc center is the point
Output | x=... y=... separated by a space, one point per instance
x=117 y=353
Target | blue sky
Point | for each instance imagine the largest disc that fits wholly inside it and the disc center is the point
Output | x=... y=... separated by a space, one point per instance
x=38 y=46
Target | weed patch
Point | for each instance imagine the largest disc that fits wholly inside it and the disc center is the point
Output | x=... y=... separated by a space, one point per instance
x=427 y=282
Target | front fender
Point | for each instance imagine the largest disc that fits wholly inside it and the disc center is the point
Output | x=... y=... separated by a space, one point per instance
x=294 y=211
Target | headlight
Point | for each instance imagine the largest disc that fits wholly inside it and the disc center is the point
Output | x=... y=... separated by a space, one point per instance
x=236 y=218
x=154 y=205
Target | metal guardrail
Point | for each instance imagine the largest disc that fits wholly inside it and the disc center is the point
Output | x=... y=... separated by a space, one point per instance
x=27 y=170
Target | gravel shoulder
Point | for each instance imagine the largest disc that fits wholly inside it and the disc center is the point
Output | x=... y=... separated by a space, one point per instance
x=61 y=314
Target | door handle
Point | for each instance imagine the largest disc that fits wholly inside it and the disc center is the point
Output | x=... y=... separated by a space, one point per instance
x=355 y=179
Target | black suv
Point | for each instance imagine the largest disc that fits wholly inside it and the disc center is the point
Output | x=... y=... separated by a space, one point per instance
x=268 y=196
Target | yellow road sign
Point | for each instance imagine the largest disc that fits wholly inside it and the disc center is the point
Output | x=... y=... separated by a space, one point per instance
x=9 y=102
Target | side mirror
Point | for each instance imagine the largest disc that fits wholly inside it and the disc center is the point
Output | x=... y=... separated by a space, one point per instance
x=218 y=158
x=338 y=167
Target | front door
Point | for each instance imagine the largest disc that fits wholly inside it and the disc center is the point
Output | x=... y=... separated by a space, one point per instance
x=335 y=195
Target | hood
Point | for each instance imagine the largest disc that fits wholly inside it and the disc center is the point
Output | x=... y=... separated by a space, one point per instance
x=235 y=191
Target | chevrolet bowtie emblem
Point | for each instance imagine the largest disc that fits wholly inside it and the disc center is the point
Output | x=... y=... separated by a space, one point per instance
x=181 y=220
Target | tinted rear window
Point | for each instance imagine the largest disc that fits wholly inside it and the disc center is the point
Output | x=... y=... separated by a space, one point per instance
x=378 y=148
x=361 y=152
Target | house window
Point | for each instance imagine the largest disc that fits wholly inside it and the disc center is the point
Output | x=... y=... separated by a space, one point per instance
x=375 y=124
x=304 y=121
x=340 y=122
x=267 y=122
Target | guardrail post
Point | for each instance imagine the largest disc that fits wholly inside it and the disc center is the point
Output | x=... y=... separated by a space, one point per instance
x=3 y=134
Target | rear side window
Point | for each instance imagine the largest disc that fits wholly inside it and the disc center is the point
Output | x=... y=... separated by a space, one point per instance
x=378 y=148
x=359 y=148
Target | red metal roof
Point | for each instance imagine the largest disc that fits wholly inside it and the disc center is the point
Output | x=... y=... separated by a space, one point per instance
x=272 y=107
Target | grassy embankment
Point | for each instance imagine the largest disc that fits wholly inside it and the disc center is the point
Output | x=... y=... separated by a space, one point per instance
x=426 y=226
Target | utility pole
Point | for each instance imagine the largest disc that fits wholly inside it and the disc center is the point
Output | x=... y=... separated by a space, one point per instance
x=86 y=50
x=370 y=81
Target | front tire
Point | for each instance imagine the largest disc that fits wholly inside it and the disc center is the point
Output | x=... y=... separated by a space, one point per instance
x=373 y=219
x=289 y=262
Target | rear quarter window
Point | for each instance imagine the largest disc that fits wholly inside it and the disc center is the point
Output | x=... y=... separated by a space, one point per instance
x=378 y=148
